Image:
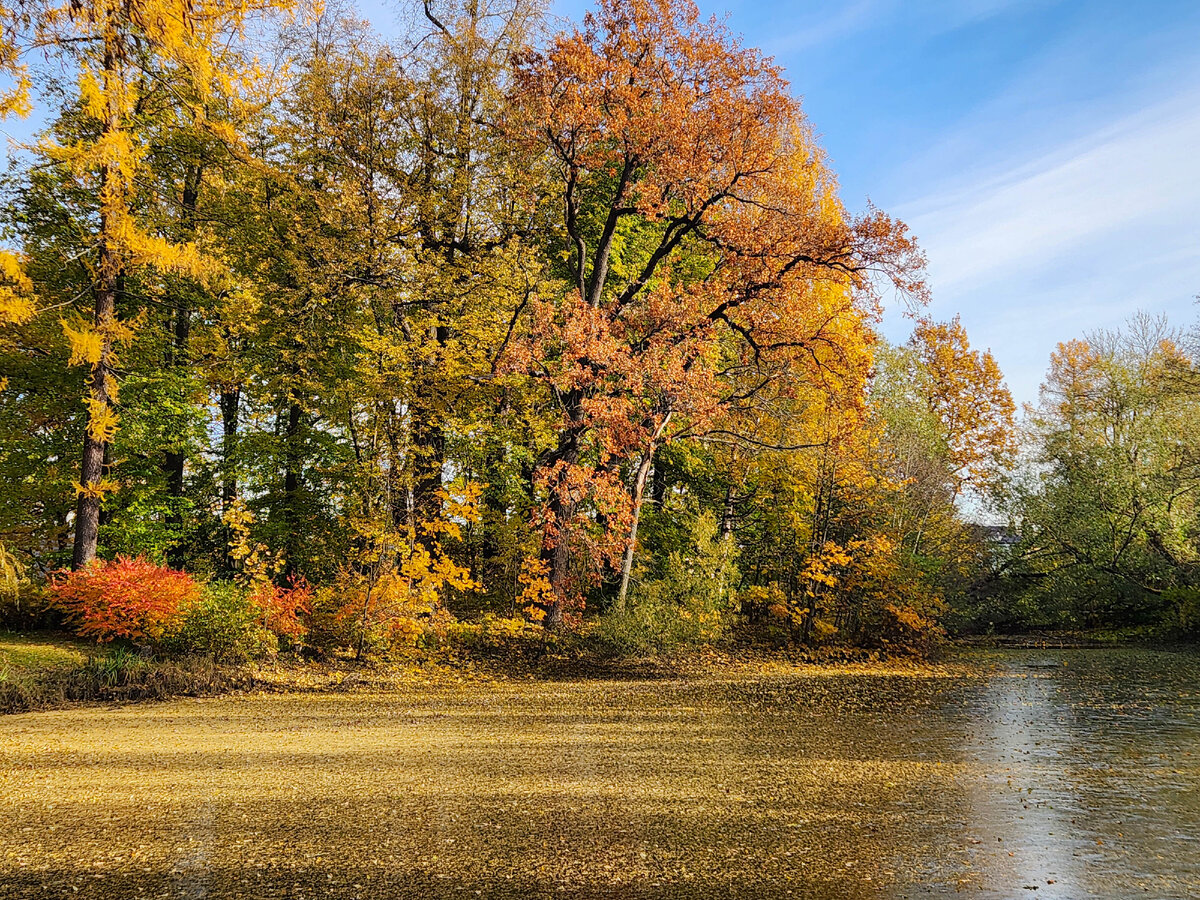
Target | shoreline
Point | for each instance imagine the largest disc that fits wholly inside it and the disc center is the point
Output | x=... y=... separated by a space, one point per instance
x=89 y=681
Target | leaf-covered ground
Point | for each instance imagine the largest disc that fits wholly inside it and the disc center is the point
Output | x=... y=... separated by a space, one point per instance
x=808 y=783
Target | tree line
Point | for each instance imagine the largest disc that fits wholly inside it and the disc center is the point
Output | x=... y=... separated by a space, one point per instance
x=489 y=318
x=1104 y=512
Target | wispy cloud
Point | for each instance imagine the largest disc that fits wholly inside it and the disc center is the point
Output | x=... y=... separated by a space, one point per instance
x=1078 y=237
x=1141 y=173
x=826 y=25
x=820 y=27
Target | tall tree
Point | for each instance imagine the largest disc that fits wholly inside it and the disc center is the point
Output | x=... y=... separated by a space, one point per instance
x=1108 y=513
x=965 y=391
x=122 y=51
x=694 y=207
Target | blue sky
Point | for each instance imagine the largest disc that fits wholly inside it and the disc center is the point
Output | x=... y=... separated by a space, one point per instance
x=1045 y=152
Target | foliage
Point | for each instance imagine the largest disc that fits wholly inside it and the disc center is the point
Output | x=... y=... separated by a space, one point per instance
x=226 y=623
x=965 y=391
x=13 y=573
x=904 y=629
x=483 y=321
x=281 y=610
x=23 y=603
x=1109 y=526
x=492 y=635
x=146 y=72
x=1187 y=607
x=390 y=605
x=130 y=598
x=690 y=599
x=702 y=235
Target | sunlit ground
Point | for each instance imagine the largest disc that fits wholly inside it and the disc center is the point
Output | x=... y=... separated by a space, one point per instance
x=1075 y=780
x=20 y=653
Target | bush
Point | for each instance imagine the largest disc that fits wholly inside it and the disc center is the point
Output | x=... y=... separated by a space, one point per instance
x=373 y=614
x=129 y=598
x=690 y=602
x=491 y=635
x=27 y=608
x=226 y=623
x=1185 y=603
x=280 y=608
x=902 y=628
x=23 y=605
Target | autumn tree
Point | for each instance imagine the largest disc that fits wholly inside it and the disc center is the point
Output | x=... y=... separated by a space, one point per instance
x=447 y=324
x=16 y=288
x=695 y=209
x=123 y=53
x=1107 y=511
x=965 y=391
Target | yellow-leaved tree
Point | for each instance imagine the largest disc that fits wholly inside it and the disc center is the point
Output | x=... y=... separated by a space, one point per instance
x=16 y=291
x=123 y=52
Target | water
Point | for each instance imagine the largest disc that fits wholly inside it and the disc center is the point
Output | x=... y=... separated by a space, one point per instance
x=1055 y=774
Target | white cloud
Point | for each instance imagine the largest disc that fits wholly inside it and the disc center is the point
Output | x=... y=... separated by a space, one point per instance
x=1140 y=176
x=822 y=25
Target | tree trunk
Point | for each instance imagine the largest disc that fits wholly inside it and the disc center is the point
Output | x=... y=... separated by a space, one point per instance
x=429 y=444
x=291 y=483
x=558 y=557
x=229 y=401
x=398 y=490
x=725 y=535
x=103 y=379
x=91 y=470
x=658 y=486
x=726 y=529
x=175 y=460
x=561 y=509
x=639 y=489
x=639 y=494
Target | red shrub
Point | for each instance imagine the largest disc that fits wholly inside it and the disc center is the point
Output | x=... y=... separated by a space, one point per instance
x=124 y=598
x=281 y=606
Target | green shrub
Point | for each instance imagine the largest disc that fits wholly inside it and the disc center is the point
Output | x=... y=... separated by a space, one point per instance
x=690 y=600
x=1184 y=602
x=225 y=624
x=23 y=605
x=26 y=607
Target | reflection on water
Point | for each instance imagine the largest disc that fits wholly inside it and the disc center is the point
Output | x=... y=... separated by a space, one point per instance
x=1089 y=773
x=1051 y=774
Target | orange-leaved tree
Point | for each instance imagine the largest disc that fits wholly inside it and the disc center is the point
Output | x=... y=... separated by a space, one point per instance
x=967 y=395
x=700 y=231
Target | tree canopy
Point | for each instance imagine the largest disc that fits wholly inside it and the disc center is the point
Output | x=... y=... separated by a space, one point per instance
x=483 y=319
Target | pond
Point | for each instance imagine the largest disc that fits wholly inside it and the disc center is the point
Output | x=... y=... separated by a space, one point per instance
x=1049 y=774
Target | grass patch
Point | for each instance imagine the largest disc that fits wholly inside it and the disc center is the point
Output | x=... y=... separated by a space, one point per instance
x=25 y=654
x=43 y=672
